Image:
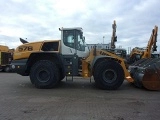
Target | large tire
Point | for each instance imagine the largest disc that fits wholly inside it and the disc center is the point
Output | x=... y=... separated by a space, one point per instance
x=44 y=74
x=108 y=75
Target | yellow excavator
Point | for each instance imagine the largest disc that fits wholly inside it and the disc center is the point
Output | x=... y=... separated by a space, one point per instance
x=47 y=62
x=142 y=61
x=118 y=51
x=140 y=53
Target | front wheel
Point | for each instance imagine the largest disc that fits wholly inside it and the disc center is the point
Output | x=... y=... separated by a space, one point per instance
x=44 y=74
x=108 y=75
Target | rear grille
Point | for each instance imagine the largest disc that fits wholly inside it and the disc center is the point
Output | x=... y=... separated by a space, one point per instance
x=5 y=58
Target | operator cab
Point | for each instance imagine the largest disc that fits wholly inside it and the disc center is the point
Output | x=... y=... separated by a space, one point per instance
x=73 y=42
x=73 y=50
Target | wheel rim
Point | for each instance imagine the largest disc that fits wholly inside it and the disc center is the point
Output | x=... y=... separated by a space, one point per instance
x=109 y=76
x=43 y=75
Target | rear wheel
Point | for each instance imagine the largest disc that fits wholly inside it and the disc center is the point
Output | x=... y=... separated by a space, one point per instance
x=44 y=74
x=108 y=75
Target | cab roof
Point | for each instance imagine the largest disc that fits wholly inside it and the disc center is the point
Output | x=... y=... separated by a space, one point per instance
x=74 y=28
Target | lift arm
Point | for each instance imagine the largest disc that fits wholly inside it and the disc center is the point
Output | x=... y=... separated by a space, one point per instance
x=94 y=52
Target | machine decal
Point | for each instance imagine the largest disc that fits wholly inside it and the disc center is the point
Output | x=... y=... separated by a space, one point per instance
x=25 y=48
x=104 y=53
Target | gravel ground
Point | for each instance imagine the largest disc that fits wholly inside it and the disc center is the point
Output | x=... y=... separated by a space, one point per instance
x=77 y=100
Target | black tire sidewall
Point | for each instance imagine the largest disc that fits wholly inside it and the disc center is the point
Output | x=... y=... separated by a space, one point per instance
x=51 y=68
x=113 y=65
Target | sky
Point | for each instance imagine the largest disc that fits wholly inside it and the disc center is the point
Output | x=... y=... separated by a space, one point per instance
x=39 y=20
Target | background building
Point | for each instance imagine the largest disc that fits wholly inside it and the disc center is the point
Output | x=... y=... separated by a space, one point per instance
x=99 y=46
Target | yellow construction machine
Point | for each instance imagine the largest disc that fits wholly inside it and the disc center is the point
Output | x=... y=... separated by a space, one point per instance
x=47 y=62
x=144 y=64
x=5 y=58
x=140 y=53
x=118 y=51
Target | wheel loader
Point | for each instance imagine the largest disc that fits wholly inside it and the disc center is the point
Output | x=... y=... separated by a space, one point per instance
x=48 y=62
x=5 y=58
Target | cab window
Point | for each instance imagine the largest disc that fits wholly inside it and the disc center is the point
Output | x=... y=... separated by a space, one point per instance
x=68 y=38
